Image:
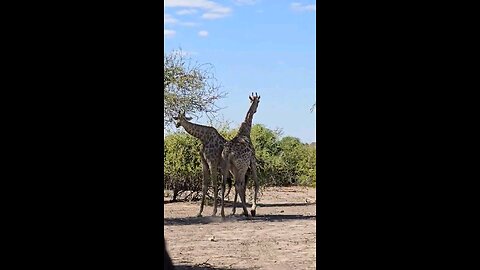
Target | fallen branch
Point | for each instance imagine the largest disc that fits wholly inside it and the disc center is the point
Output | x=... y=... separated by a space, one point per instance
x=204 y=264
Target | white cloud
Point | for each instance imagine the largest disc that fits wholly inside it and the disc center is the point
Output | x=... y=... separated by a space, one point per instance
x=212 y=16
x=168 y=33
x=299 y=7
x=203 y=33
x=187 y=11
x=205 y=4
x=184 y=53
x=168 y=19
x=212 y=9
x=188 y=24
x=245 y=2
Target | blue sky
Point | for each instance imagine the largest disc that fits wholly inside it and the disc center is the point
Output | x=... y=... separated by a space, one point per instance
x=265 y=46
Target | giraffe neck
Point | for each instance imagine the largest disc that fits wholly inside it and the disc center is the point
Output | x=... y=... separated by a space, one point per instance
x=198 y=131
x=246 y=126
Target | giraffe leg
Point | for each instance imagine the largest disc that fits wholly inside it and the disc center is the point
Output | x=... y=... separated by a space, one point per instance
x=235 y=199
x=206 y=177
x=241 y=191
x=244 y=199
x=224 y=172
x=234 y=174
x=213 y=175
x=253 y=166
x=245 y=188
x=246 y=181
x=229 y=181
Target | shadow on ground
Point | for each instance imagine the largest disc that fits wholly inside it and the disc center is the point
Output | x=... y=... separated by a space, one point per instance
x=284 y=204
x=230 y=218
x=189 y=267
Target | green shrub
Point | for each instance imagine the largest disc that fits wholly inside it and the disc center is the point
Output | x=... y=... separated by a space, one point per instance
x=280 y=161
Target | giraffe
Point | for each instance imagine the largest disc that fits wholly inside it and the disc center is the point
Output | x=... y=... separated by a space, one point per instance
x=239 y=154
x=246 y=126
x=210 y=154
x=244 y=132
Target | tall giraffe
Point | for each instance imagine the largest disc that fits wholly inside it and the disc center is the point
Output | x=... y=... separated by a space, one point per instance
x=210 y=154
x=246 y=126
x=244 y=133
x=239 y=154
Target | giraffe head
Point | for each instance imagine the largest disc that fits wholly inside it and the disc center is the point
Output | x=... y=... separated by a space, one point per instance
x=254 y=99
x=181 y=118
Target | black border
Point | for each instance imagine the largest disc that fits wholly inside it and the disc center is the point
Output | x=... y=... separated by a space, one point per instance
x=85 y=124
x=87 y=135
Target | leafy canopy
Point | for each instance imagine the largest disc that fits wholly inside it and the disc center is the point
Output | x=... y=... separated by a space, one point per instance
x=188 y=87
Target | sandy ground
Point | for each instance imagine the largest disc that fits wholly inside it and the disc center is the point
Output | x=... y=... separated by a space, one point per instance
x=281 y=236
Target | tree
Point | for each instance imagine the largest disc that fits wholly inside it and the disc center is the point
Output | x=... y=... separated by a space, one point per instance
x=293 y=151
x=188 y=87
x=281 y=161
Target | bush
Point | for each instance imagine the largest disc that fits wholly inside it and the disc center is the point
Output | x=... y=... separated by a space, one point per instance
x=182 y=166
x=280 y=162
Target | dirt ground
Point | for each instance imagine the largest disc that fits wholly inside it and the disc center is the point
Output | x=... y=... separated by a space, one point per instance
x=281 y=236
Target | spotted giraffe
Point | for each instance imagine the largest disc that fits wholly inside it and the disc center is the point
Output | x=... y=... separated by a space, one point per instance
x=210 y=154
x=237 y=156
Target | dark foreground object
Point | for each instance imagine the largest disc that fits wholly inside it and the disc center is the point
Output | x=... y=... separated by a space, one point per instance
x=167 y=262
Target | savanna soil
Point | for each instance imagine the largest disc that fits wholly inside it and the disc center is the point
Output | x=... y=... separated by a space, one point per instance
x=281 y=236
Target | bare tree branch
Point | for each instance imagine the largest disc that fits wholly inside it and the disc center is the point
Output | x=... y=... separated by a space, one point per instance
x=189 y=87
